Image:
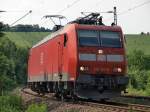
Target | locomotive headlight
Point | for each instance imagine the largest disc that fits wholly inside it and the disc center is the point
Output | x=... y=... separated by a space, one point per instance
x=100 y=51
x=117 y=70
x=82 y=68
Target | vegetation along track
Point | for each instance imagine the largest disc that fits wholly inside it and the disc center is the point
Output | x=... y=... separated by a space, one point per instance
x=108 y=106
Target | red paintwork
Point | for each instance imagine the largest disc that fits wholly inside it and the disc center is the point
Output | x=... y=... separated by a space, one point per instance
x=56 y=57
x=52 y=57
x=103 y=67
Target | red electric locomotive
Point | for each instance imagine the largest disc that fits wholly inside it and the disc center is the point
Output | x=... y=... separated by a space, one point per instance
x=83 y=59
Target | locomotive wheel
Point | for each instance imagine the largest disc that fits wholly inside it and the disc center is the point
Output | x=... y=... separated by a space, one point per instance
x=74 y=98
x=57 y=95
x=62 y=97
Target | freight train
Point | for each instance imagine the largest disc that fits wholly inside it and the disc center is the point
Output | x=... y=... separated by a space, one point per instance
x=83 y=59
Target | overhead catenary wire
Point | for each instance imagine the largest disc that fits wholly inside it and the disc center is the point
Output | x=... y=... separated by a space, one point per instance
x=96 y=4
x=135 y=7
x=121 y=13
x=130 y=9
x=21 y=18
x=69 y=6
x=65 y=8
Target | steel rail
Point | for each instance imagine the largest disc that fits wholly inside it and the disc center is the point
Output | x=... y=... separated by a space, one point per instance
x=119 y=108
x=136 y=97
x=108 y=106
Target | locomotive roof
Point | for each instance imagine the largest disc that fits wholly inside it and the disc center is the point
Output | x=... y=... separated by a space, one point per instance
x=50 y=36
x=61 y=31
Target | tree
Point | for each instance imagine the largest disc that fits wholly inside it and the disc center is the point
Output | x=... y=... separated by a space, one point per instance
x=25 y=28
x=9 y=62
x=138 y=64
x=137 y=59
x=1 y=28
x=1 y=34
x=142 y=33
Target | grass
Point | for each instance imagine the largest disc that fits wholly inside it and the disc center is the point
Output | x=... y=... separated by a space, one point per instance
x=138 y=42
x=37 y=107
x=26 y=39
x=10 y=103
x=135 y=92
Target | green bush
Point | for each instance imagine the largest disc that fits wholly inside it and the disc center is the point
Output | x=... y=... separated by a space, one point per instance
x=148 y=84
x=13 y=64
x=9 y=109
x=138 y=78
x=6 y=84
x=137 y=59
x=138 y=70
x=37 y=107
x=10 y=103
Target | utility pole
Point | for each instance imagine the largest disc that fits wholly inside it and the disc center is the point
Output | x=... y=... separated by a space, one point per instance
x=115 y=15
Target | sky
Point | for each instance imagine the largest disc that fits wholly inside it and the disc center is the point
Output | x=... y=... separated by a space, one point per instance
x=133 y=15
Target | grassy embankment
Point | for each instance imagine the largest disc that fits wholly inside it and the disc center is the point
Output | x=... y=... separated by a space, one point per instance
x=26 y=39
x=141 y=76
x=138 y=42
x=13 y=51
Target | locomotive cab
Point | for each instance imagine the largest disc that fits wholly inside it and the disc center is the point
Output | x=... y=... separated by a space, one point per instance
x=101 y=61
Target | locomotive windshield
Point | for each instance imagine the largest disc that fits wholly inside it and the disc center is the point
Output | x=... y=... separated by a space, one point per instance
x=99 y=38
x=88 y=38
x=110 y=39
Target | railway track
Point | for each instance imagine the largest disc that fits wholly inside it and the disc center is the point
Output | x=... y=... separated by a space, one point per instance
x=122 y=107
x=106 y=106
x=136 y=97
x=26 y=91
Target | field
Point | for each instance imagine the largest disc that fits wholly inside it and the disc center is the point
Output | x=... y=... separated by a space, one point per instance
x=25 y=39
x=138 y=42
